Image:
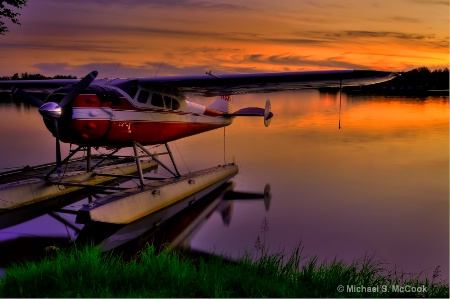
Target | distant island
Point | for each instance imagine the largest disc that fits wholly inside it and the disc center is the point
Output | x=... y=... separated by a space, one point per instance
x=416 y=82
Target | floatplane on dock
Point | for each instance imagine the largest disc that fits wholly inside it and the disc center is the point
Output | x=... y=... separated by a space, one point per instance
x=140 y=112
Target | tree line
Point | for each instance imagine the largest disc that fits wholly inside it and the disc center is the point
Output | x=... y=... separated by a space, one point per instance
x=26 y=76
x=437 y=79
x=415 y=80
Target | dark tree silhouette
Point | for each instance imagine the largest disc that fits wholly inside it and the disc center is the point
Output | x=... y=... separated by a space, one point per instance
x=418 y=81
x=6 y=11
x=26 y=76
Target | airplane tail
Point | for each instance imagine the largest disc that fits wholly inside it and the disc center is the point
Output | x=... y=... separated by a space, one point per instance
x=255 y=111
x=223 y=104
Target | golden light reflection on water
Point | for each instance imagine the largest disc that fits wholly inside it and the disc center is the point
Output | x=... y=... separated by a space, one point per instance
x=379 y=185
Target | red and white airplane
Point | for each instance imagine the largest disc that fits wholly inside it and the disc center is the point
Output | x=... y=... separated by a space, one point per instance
x=155 y=110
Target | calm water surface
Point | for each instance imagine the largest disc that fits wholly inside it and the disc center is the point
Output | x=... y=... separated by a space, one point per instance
x=378 y=186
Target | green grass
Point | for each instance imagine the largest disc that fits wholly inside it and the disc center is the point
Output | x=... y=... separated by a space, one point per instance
x=86 y=272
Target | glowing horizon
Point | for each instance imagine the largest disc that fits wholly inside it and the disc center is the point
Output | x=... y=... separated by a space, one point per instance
x=177 y=37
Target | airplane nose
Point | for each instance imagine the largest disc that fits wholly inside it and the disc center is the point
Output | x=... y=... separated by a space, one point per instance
x=50 y=110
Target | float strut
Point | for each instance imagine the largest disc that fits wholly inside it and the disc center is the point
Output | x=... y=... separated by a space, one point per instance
x=88 y=159
x=138 y=164
x=177 y=174
x=63 y=162
x=105 y=157
x=171 y=158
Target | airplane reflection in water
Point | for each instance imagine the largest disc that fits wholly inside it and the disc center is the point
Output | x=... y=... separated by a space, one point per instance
x=173 y=226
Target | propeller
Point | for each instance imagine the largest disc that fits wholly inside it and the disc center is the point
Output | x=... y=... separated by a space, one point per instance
x=54 y=111
x=26 y=97
x=58 y=149
x=80 y=86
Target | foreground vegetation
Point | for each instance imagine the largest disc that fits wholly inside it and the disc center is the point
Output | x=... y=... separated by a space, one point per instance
x=86 y=272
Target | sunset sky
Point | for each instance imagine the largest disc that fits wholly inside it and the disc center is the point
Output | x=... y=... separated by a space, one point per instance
x=131 y=38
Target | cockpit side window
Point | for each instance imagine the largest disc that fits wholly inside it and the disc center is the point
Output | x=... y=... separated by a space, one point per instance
x=157 y=100
x=168 y=102
x=143 y=96
x=175 y=104
x=162 y=101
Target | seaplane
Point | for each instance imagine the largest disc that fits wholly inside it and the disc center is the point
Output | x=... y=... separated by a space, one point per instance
x=139 y=112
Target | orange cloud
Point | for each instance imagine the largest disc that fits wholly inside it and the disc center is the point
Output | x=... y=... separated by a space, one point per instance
x=227 y=37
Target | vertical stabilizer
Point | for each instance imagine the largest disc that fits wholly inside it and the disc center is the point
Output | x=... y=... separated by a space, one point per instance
x=222 y=103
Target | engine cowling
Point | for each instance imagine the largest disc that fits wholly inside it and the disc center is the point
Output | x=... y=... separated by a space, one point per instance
x=90 y=118
x=87 y=119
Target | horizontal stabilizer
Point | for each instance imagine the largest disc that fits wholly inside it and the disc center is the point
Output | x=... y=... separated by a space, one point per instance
x=254 y=111
x=249 y=111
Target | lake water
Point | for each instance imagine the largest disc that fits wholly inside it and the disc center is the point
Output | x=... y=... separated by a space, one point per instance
x=378 y=186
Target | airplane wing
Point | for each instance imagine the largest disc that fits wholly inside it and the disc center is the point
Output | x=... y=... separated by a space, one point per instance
x=38 y=86
x=212 y=85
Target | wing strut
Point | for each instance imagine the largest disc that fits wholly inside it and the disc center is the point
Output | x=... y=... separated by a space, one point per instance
x=340 y=103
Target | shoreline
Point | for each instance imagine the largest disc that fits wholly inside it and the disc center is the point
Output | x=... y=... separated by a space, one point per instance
x=86 y=272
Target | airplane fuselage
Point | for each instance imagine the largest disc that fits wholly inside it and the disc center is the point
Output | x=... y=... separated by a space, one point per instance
x=108 y=116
